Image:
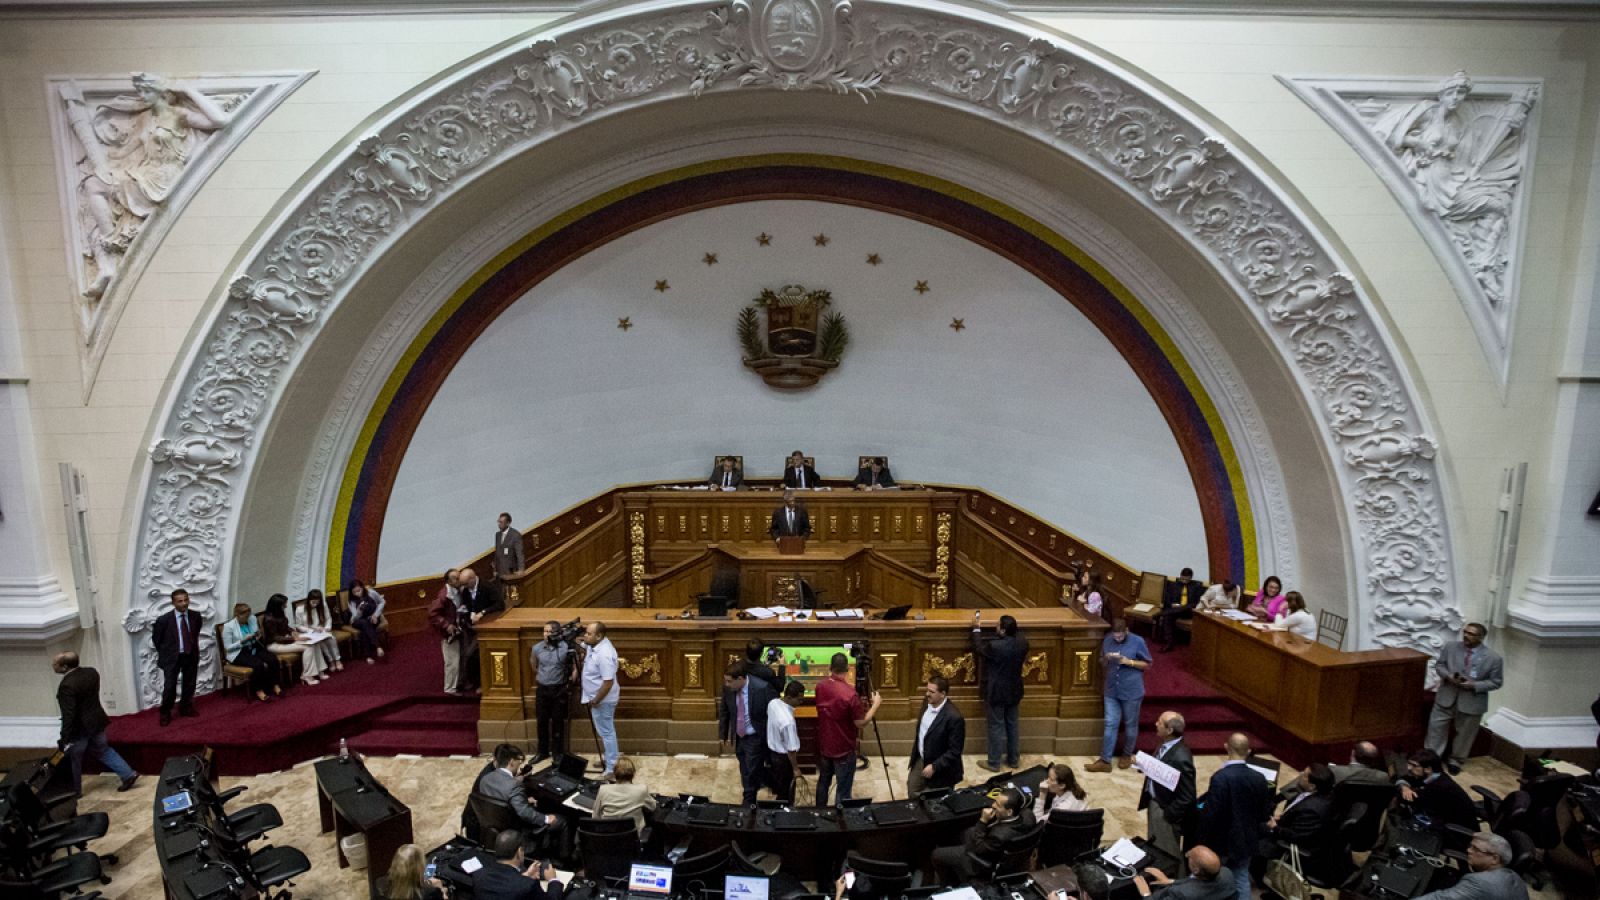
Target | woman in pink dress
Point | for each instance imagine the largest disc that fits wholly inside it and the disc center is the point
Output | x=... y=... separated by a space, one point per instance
x=1269 y=600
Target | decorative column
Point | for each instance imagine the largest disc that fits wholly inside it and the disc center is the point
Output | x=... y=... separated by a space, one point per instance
x=638 y=590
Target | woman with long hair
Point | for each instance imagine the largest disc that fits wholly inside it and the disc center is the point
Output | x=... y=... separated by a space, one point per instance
x=1269 y=600
x=316 y=621
x=282 y=637
x=407 y=878
x=366 y=608
x=1093 y=600
x=1294 y=618
x=1060 y=790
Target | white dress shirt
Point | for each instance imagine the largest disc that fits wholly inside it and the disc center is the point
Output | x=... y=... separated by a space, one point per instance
x=600 y=666
x=928 y=715
x=782 y=735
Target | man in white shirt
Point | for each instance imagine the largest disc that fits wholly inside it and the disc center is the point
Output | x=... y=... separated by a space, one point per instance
x=783 y=741
x=600 y=692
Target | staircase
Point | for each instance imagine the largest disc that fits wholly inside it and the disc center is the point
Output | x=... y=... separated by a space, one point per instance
x=426 y=726
x=1209 y=716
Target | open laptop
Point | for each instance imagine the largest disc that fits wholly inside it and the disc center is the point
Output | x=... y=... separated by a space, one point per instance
x=649 y=882
x=566 y=776
x=745 y=887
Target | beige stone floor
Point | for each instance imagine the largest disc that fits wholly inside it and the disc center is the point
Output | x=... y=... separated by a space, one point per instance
x=436 y=788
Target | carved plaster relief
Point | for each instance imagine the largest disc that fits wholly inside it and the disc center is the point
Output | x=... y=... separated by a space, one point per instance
x=1085 y=108
x=1457 y=155
x=130 y=153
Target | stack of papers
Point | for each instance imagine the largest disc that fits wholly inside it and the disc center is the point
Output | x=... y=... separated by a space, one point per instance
x=1238 y=615
x=1124 y=853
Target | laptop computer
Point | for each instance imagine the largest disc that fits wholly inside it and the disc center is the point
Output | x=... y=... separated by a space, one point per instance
x=708 y=814
x=896 y=613
x=746 y=887
x=649 y=882
x=961 y=802
x=894 y=814
x=794 y=821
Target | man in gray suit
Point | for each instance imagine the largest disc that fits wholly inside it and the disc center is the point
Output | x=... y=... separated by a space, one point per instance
x=1467 y=671
x=1487 y=856
x=502 y=785
x=507 y=549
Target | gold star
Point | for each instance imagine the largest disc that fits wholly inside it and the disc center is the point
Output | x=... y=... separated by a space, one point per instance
x=922 y=287
x=709 y=259
x=662 y=286
x=873 y=259
x=957 y=324
x=625 y=323
x=820 y=240
x=764 y=239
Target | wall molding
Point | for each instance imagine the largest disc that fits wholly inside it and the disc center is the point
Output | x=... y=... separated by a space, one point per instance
x=35 y=610
x=1536 y=733
x=1558 y=607
x=29 y=732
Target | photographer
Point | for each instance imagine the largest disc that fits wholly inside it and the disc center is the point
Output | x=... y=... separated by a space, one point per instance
x=760 y=668
x=553 y=666
x=1002 y=689
x=840 y=717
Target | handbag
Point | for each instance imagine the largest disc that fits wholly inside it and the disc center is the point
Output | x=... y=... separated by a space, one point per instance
x=1286 y=879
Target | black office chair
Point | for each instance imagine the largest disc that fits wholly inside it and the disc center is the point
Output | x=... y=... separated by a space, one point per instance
x=493 y=817
x=60 y=878
x=701 y=873
x=1327 y=862
x=608 y=847
x=1538 y=821
x=1014 y=857
x=1375 y=800
x=1070 y=835
x=37 y=840
x=272 y=866
x=780 y=884
x=889 y=878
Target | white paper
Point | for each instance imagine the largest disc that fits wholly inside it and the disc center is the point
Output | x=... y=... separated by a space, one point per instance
x=1270 y=775
x=1123 y=853
x=960 y=893
x=827 y=614
x=781 y=610
x=1238 y=615
x=1143 y=607
x=760 y=612
x=471 y=864
x=1156 y=770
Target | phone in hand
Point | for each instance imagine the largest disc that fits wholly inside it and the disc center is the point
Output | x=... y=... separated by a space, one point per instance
x=430 y=870
x=849 y=879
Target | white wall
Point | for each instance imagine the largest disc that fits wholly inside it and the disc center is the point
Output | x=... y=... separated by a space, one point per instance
x=555 y=403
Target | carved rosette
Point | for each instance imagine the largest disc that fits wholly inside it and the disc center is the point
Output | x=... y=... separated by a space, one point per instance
x=641 y=591
x=939 y=596
x=503 y=104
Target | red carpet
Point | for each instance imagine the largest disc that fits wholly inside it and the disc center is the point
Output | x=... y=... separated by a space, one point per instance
x=394 y=706
x=1209 y=716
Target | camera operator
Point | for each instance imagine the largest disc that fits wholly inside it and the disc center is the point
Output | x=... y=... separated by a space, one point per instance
x=554 y=664
x=840 y=717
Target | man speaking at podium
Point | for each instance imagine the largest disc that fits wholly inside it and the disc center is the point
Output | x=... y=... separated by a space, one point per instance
x=790 y=519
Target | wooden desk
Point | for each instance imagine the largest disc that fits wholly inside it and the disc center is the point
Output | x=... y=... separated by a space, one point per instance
x=350 y=801
x=1311 y=699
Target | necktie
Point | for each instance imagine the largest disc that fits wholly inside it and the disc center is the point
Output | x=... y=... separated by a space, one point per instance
x=1469 y=662
x=800 y=475
x=744 y=716
x=727 y=479
x=183 y=632
x=791 y=521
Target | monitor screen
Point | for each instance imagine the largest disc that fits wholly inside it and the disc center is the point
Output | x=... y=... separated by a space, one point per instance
x=808 y=664
x=178 y=802
x=651 y=881
x=745 y=887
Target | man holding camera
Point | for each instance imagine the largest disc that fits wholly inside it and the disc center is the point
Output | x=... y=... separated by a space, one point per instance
x=553 y=669
x=840 y=717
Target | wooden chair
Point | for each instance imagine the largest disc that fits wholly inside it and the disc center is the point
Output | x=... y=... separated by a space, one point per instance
x=716 y=463
x=342 y=608
x=344 y=634
x=863 y=461
x=1151 y=584
x=232 y=674
x=1330 y=629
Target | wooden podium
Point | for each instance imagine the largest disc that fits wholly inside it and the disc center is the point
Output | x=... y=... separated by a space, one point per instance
x=792 y=545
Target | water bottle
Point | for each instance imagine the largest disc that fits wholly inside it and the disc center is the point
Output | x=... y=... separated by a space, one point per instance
x=344 y=750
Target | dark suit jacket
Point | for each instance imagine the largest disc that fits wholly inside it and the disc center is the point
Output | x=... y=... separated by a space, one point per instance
x=790 y=481
x=1234 y=813
x=865 y=477
x=1192 y=888
x=946 y=739
x=1188 y=595
x=1306 y=822
x=78 y=695
x=1002 y=672
x=164 y=635
x=780 y=522
x=716 y=477
x=1177 y=804
x=498 y=784
x=498 y=881
x=761 y=694
x=488 y=600
x=989 y=841
x=1443 y=801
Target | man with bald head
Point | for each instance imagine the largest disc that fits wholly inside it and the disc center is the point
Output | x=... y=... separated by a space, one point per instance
x=1366 y=766
x=1234 y=811
x=477 y=599
x=1167 y=810
x=83 y=721
x=1208 y=879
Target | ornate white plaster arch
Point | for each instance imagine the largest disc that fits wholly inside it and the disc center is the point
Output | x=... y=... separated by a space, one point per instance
x=1019 y=77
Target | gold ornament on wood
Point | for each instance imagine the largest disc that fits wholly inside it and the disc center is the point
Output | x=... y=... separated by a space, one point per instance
x=641 y=591
x=963 y=669
x=648 y=665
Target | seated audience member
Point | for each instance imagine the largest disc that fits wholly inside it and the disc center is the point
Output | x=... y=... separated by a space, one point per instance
x=1080 y=586
x=1208 y=879
x=547 y=832
x=797 y=474
x=366 y=609
x=405 y=880
x=1093 y=600
x=1059 y=790
x=281 y=637
x=242 y=645
x=1294 y=618
x=622 y=797
x=1178 y=601
x=1434 y=795
x=1268 y=601
x=855 y=886
x=316 y=621
x=1219 y=597
x=1366 y=766
x=874 y=476
x=1305 y=816
x=1489 y=879
x=510 y=877
x=726 y=476
x=1007 y=818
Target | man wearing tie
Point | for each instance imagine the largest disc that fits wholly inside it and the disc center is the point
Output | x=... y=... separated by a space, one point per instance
x=790 y=519
x=507 y=549
x=175 y=636
x=1166 y=809
x=742 y=718
x=874 y=476
x=1467 y=671
x=726 y=476
x=799 y=475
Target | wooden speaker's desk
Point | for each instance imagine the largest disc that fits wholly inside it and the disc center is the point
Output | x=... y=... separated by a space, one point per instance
x=1318 y=698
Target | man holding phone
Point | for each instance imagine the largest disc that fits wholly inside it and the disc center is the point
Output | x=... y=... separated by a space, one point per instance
x=1468 y=670
x=1124 y=657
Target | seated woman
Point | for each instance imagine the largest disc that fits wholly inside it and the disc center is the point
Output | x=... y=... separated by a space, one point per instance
x=242 y=646
x=315 y=620
x=1269 y=600
x=407 y=880
x=874 y=476
x=281 y=637
x=1059 y=790
x=1093 y=601
x=366 y=608
x=1222 y=596
x=623 y=797
x=1295 y=619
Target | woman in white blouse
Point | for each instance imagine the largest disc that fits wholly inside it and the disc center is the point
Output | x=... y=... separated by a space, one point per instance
x=1222 y=596
x=1294 y=619
x=1059 y=790
x=315 y=620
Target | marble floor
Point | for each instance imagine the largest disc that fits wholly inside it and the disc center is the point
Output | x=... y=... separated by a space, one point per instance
x=436 y=789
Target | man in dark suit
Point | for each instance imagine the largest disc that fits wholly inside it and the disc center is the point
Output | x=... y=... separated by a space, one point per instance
x=502 y=785
x=790 y=519
x=83 y=721
x=176 y=636
x=1233 y=813
x=476 y=600
x=874 y=476
x=727 y=476
x=1006 y=818
x=1167 y=811
x=1432 y=793
x=1208 y=879
x=941 y=738
x=798 y=473
x=507 y=879
x=1179 y=600
x=1003 y=656
x=508 y=556
x=742 y=719
x=1305 y=820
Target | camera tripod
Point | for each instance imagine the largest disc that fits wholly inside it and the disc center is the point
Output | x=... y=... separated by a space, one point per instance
x=864 y=680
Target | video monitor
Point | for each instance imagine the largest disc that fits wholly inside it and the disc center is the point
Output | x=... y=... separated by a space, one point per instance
x=650 y=881
x=808 y=663
x=745 y=887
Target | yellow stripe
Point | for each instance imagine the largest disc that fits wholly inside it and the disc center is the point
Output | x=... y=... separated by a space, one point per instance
x=891 y=173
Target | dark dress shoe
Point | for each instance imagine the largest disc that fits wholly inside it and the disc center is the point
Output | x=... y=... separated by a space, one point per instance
x=189 y=712
x=127 y=785
x=166 y=719
x=1453 y=769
